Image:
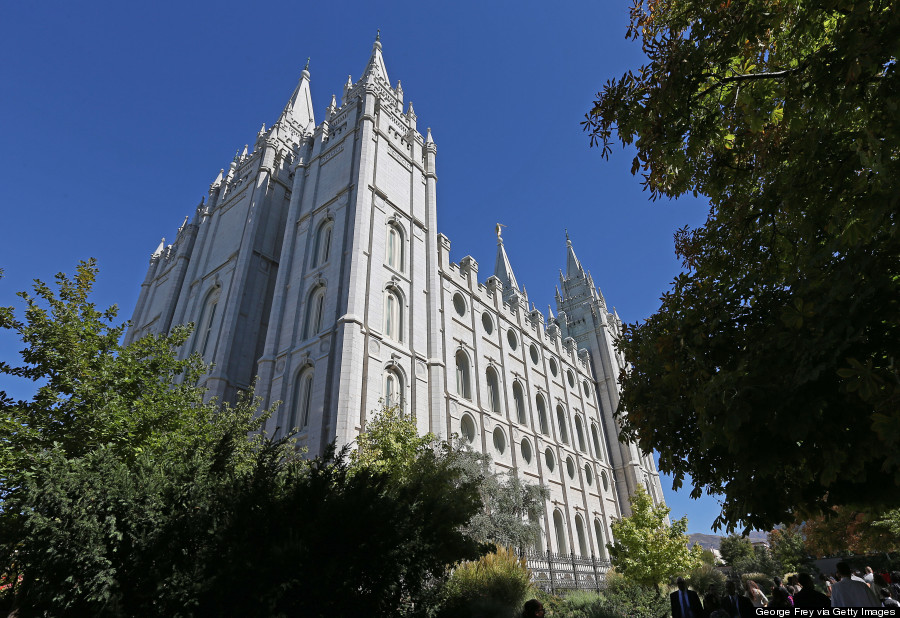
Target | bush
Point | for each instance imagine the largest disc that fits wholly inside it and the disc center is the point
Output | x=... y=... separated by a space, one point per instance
x=632 y=600
x=704 y=576
x=764 y=582
x=497 y=584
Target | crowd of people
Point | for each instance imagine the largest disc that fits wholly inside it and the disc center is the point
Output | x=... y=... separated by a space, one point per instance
x=844 y=589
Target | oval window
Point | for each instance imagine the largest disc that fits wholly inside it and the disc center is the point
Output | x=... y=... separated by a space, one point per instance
x=499 y=440
x=588 y=474
x=553 y=368
x=459 y=304
x=548 y=457
x=535 y=357
x=571 y=376
x=605 y=480
x=511 y=337
x=467 y=427
x=526 y=450
x=570 y=467
x=487 y=323
x=587 y=388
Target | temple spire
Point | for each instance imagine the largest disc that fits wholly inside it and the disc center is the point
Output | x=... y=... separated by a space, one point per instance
x=299 y=109
x=573 y=266
x=375 y=67
x=502 y=268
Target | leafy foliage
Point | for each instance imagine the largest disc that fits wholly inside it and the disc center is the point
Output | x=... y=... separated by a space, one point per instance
x=647 y=550
x=704 y=576
x=184 y=508
x=512 y=509
x=627 y=598
x=845 y=529
x=779 y=342
x=735 y=547
x=92 y=391
x=788 y=549
x=495 y=585
x=760 y=561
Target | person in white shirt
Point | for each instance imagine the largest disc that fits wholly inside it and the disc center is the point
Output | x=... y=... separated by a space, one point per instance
x=850 y=592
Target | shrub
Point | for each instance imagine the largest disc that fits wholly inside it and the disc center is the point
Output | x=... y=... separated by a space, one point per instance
x=764 y=581
x=704 y=576
x=632 y=600
x=497 y=584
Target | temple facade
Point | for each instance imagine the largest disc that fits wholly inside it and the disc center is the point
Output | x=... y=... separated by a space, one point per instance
x=315 y=267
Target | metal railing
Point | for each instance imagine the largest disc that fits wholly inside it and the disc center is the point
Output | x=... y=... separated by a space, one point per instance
x=551 y=572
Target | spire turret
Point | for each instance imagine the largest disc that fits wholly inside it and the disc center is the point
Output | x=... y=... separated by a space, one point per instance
x=502 y=268
x=573 y=266
x=375 y=67
x=299 y=108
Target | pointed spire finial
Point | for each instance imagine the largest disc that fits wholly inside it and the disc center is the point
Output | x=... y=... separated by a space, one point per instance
x=378 y=35
x=567 y=236
x=428 y=139
x=306 y=68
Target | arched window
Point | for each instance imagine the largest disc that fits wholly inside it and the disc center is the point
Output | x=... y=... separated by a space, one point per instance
x=205 y=323
x=519 y=399
x=561 y=423
x=462 y=376
x=598 y=533
x=579 y=433
x=393 y=315
x=394 y=257
x=322 y=249
x=393 y=389
x=582 y=538
x=594 y=434
x=302 y=400
x=560 y=528
x=315 y=312
x=493 y=385
x=542 y=415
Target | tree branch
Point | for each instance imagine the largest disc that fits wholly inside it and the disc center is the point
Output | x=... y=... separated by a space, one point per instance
x=752 y=77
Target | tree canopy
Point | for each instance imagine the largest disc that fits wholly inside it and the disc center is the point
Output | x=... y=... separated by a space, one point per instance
x=158 y=503
x=647 y=550
x=769 y=374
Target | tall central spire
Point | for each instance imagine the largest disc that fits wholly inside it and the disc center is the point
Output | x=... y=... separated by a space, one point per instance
x=375 y=67
x=299 y=108
x=573 y=266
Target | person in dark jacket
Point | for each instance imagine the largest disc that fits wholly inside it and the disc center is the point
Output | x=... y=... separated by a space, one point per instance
x=685 y=603
x=809 y=597
x=736 y=605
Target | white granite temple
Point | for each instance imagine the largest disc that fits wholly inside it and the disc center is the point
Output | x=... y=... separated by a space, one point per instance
x=316 y=264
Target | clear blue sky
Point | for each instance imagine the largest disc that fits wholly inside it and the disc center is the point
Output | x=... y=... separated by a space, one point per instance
x=116 y=116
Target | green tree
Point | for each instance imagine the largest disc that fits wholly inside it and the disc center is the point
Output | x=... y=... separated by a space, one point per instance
x=195 y=511
x=788 y=549
x=780 y=339
x=91 y=391
x=512 y=509
x=647 y=550
x=760 y=560
x=735 y=547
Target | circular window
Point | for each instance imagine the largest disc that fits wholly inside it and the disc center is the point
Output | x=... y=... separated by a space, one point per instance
x=548 y=457
x=605 y=480
x=553 y=368
x=570 y=467
x=587 y=388
x=588 y=474
x=459 y=303
x=535 y=357
x=467 y=427
x=571 y=376
x=499 y=440
x=487 y=323
x=526 y=451
x=511 y=337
